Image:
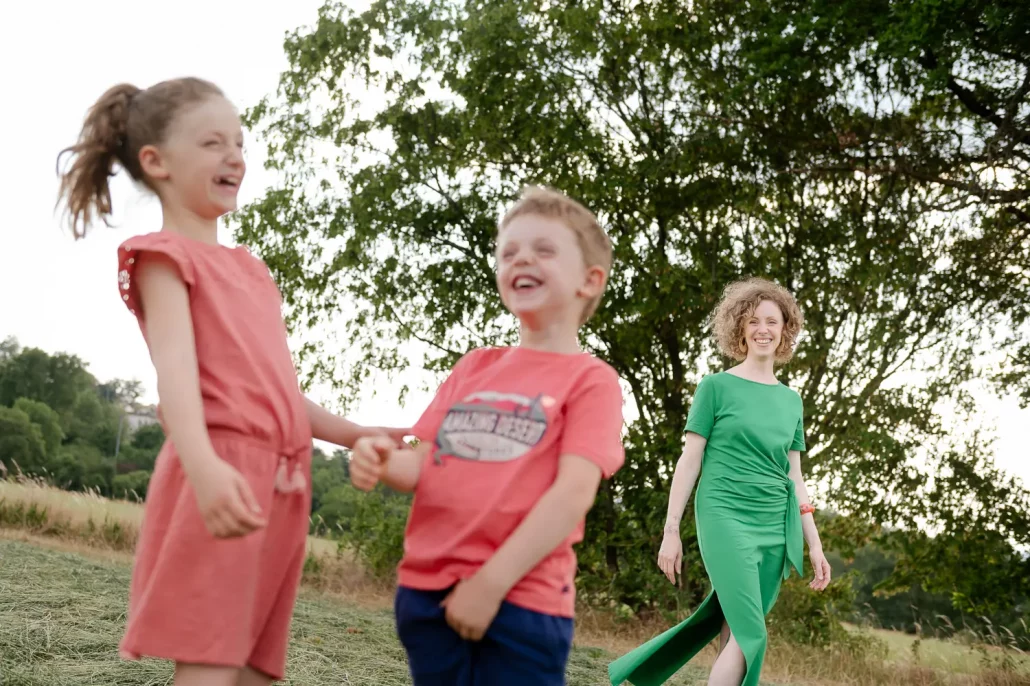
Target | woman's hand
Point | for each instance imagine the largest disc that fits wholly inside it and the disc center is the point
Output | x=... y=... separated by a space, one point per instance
x=670 y=556
x=822 y=569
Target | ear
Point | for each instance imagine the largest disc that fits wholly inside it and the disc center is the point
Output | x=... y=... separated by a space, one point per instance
x=593 y=284
x=152 y=163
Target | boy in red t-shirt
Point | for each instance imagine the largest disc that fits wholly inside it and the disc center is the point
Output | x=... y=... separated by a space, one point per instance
x=512 y=451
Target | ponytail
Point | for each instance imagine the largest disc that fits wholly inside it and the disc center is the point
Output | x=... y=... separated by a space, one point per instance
x=117 y=127
x=101 y=143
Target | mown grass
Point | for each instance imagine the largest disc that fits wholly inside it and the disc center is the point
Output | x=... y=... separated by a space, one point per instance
x=344 y=632
x=62 y=614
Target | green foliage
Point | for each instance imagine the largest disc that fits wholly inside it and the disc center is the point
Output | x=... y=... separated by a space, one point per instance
x=22 y=448
x=141 y=450
x=76 y=420
x=80 y=466
x=131 y=486
x=55 y=380
x=149 y=437
x=94 y=421
x=801 y=616
x=46 y=419
x=371 y=524
x=327 y=473
x=838 y=148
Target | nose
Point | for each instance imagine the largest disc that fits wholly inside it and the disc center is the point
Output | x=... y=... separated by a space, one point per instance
x=234 y=157
x=523 y=257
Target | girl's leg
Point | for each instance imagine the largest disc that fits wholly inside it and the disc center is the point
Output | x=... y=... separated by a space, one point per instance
x=252 y=677
x=730 y=667
x=204 y=675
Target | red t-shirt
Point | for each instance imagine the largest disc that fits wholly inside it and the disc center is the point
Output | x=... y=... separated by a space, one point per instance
x=499 y=424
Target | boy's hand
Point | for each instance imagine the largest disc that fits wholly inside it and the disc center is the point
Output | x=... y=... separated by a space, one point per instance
x=472 y=606
x=368 y=459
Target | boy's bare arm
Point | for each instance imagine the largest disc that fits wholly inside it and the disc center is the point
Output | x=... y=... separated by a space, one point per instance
x=404 y=466
x=550 y=522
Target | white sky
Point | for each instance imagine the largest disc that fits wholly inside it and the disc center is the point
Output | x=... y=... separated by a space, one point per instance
x=58 y=56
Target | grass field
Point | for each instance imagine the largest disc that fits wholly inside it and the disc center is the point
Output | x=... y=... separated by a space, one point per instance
x=62 y=614
x=64 y=571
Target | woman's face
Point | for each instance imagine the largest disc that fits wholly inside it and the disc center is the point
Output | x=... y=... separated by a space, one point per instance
x=764 y=330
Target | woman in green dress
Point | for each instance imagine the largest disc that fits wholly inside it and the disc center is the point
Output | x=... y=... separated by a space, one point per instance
x=744 y=436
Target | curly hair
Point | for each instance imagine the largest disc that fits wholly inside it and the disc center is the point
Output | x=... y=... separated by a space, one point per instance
x=738 y=305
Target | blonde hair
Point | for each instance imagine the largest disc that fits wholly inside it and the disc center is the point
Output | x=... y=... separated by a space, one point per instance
x=738 y=305
x=593 y=241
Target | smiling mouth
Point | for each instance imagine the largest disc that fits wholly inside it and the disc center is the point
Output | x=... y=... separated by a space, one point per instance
x=227 y=182
x=525 y=283
x=763 y=341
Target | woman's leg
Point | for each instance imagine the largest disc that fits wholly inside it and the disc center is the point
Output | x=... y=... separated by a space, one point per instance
x=724 y=638
x=729 y=667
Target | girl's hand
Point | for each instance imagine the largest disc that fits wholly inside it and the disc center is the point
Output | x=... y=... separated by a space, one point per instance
x=226 y=500
x=670 y=556
x=395 y=434
x=368 y=460
x=822 y=569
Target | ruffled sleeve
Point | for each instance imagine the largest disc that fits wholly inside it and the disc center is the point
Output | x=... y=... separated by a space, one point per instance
x=131 y=251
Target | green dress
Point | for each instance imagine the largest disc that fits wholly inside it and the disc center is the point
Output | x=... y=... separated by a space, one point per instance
x=748 y=524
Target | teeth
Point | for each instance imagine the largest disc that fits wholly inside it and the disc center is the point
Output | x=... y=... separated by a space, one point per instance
x=525 y=282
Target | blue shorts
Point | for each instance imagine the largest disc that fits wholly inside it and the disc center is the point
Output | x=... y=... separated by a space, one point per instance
x=520 y=648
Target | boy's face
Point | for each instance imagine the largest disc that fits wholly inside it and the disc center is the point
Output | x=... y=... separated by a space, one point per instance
x=541 y=272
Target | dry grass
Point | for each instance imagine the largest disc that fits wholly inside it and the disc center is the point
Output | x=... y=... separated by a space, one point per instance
x=94 y=526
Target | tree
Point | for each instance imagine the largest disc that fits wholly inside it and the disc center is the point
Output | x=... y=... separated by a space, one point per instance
x=93 y=420
x=121 y=392
x=56 y=380
x=22 y=448
x=149 y=437
x=80 y=466
x=141 y=450
x=326 y=474
x=9 y=347
x=47 y=420
x=715 y=140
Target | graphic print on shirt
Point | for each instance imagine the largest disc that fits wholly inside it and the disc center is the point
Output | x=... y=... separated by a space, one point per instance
x=493 y=427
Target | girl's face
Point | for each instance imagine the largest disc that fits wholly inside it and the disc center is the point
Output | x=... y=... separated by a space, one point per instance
x=200 y=165
x=541 y=271
x=764 y=330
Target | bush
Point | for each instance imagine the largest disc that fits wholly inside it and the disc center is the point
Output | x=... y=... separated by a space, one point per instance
x=807 y=617
x=80 y=466
x=375 y=530
x=22 y=447
x=131 y=486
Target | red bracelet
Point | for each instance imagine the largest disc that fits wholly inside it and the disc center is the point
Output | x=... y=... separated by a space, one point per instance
x=807 y=509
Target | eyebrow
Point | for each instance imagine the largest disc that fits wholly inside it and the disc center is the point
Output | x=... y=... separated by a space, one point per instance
x=222 y=136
